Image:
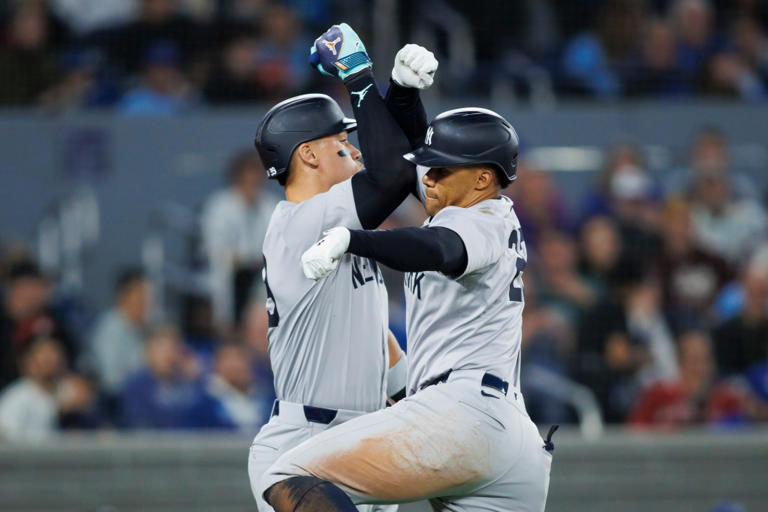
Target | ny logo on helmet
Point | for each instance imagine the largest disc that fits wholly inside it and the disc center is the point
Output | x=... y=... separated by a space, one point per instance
x=428 y=137
x=272 y=171
x=332 y=44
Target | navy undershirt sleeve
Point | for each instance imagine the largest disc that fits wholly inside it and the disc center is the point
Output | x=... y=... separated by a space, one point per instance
x=412 y=249
x=405 y=106
x=387 y=178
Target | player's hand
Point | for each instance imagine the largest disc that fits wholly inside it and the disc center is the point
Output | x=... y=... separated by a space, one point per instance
x=339 y=52
x=414 y=67
x=322 y=258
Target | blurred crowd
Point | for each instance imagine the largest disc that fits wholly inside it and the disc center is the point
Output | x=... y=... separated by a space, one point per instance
x=651 y=295
x=167 y=57
x=126 y=368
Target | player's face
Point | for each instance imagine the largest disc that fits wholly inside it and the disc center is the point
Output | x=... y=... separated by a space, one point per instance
x=338 y=158
x=448 y=186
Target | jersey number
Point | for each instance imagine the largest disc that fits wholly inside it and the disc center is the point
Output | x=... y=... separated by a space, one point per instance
x=274 y=316
x=516 y=243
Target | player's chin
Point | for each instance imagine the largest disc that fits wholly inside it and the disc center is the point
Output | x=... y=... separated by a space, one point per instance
x=432 y=205
x=348 y=173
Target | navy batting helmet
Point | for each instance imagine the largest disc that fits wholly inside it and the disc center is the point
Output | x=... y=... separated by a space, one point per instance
x=293 y=122
x=467 y=136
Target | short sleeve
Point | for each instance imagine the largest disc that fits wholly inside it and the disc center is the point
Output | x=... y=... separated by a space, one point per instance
x=310 y=218
x=481 y=232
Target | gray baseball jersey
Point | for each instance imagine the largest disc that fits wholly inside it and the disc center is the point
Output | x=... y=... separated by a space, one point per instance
x=475 y=320
x=327 y=339
x=471 y=325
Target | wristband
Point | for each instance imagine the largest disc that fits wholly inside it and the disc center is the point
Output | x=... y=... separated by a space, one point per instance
x=397 y=376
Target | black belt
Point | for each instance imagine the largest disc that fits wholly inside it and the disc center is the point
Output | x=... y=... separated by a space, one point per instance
x=489 y=381
x=313 y=414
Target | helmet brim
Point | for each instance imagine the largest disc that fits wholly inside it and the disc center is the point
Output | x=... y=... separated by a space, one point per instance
x=426 y=156
x=349 y=124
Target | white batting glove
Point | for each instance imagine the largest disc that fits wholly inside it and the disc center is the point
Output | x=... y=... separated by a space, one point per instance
x=415 y=67
x=322 y=258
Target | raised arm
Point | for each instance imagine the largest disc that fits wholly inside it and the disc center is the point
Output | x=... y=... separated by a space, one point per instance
x=413 y=70
x=405 y=106
x=387 y=178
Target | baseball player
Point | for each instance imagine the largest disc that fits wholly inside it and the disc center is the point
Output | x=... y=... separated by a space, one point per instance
x=462 y=437
x=329 y=344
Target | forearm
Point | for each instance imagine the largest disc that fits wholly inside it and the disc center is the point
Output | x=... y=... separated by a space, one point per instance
x=388 y=178
x=393 y=347
x=405 y=106
x=397 y=373
x=412 y=249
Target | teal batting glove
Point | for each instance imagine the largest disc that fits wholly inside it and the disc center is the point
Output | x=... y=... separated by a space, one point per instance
x=339 y=52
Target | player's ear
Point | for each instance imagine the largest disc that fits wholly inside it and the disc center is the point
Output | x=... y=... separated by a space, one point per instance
x=307 y=155
x=485 y=178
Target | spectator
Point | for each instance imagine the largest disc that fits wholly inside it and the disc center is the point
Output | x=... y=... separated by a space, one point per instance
x=709 y=150
x=163 y=91
x=598 y=200
x=81 y=85
x=730 y=10
x=692 y=24
x=168 y=393
x=282 y=53
x=726 y=74
x=757 y=381
x=27 y=66
x=158 y=21
x=594 y=63
x=743 y=340
x=751 y=44
x=624 y=341
x=234 y=222
x=232 y=384
x=558 y=283
x=26 y=315
x=116 y=345
x=600 y=248
x=198 y=327
x=691 y=277
x=634 y=207
x=241 y=11
x=235 y=77
x=538 y=203
x=33 y=407
x=85 y=16
x=693 y=398
x=547 y=344
x=723 y=224
x=657 y=73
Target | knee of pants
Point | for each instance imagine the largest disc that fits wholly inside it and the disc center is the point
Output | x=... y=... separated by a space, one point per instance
x=277 y=472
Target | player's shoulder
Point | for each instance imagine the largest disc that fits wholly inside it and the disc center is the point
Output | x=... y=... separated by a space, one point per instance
x=497 y=211
x=338 y=195
x=278 y=223
x=301 y=224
